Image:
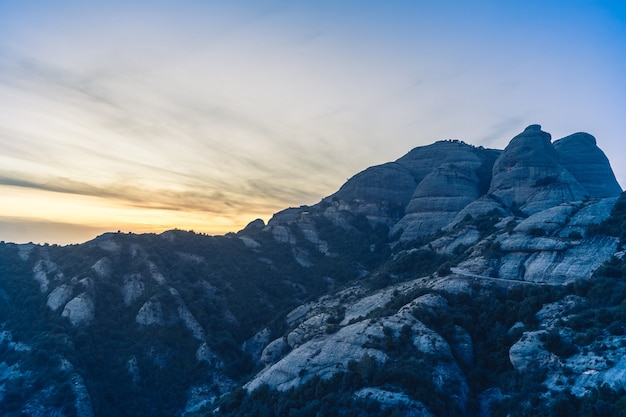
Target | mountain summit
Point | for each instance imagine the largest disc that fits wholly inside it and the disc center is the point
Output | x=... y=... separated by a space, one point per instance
x=426 y=189
x=455 y=281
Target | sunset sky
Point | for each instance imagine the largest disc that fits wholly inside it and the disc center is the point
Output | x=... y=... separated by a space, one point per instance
x=145 y=116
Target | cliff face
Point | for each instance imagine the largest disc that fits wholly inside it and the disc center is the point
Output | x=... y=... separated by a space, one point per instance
x=387 y=192
x=528 y=175
x=425 y=190
x=431 y=285
x=580 y=155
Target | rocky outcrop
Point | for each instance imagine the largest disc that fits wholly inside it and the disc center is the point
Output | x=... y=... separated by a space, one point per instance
x=321 y=345
x=394 y=399
x=80 y=310
x=44 y=271
x=529 y=353
x=59 y=296
x=190 y=322
x=438 y=186
x=598 y=363
x=548 y=247
x=383 y=192
x=580 y=155
x=151 y=313
x=103 y=268
x=132 y=288
x=528 y=175
x=438 y=199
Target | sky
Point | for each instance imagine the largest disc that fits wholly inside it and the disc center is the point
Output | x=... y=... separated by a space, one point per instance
x=144 y=116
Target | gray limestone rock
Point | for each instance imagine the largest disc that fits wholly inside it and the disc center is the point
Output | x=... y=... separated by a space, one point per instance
x=133 y=288
x=44 y=271
x=438 y=198
x=80 y=310
x=59 y=296
x=462 y=346
x=383 y=192
x=380 y=192
x=529 y=352
x=528 y=175
x=103 y=267
x=393 y=399
x=151 y=312
x=580 y=155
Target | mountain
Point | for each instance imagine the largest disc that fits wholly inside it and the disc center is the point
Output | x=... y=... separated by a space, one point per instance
x=457 y=280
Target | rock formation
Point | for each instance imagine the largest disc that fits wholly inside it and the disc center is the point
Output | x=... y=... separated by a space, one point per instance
x=431 y=285
x=528 y=175
x=580 y=155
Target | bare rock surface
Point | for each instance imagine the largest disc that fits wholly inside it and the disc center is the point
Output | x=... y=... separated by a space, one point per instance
x=80 y=310
x=59 y=296
x=580 y=155
x=393 y=399
x=528 y=174
x=133 y=288
x=151 y=312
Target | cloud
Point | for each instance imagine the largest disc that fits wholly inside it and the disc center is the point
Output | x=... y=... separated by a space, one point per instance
x=225 y=109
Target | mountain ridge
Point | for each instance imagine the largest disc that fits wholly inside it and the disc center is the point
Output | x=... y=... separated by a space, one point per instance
x=457 y=280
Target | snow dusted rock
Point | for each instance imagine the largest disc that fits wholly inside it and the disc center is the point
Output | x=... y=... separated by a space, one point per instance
x=80 y=310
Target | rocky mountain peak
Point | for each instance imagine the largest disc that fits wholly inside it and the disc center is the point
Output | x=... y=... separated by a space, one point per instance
x=455 y=281
x=529 y=176
x=580 y=155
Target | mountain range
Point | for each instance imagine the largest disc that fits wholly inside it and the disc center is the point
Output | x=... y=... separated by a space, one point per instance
x=454 y=281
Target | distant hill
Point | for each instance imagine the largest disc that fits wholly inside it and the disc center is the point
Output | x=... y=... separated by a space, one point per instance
x=455 y=281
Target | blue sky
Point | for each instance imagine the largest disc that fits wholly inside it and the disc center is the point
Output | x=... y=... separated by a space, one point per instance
x=148 y=115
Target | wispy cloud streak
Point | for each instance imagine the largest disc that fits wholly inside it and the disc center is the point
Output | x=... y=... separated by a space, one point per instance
x=229 y=110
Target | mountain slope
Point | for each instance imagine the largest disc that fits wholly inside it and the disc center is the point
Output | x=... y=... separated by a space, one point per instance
x=456 y=280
